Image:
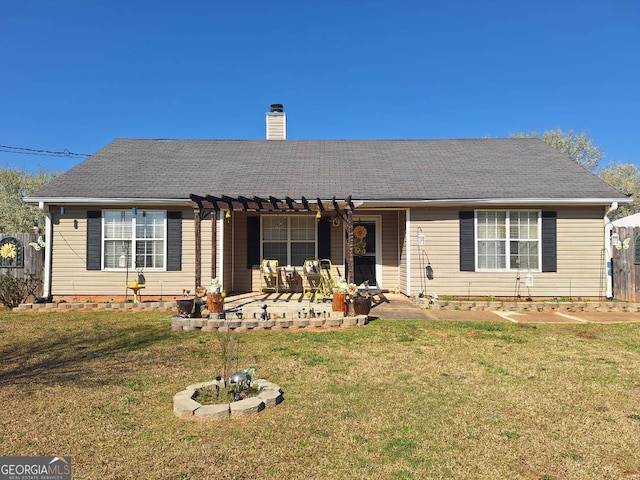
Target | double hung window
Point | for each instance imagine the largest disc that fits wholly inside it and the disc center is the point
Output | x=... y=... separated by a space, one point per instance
x=508 y=240
x=289 y=239
x=134 y=241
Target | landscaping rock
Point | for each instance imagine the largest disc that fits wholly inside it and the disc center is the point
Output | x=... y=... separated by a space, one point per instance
x=271 y=398
x=215 y=412
x=350 y=321
x=184 y=405
x=247 y=406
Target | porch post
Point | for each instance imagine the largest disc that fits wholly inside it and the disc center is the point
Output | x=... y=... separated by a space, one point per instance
x=350 y=265
x=198 y=228
x=214 y=243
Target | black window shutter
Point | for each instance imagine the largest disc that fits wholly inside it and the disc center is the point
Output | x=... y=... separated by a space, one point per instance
x=94 y=240
x=174 y=241
x=324 y=238
x=467 y=242
x=549 y=242
x=253 y=241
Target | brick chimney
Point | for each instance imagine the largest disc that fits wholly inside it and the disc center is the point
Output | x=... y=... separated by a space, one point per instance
x=276 y=123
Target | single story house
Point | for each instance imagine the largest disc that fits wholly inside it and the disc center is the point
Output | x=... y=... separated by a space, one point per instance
x=469 y=217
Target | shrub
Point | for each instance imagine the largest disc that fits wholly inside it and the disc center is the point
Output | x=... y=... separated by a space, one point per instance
x=14 y=291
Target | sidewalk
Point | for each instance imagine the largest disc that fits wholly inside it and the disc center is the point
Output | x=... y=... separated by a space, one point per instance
x=402 y=308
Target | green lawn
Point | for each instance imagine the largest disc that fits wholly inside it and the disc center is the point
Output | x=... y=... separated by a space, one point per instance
x=392 y=400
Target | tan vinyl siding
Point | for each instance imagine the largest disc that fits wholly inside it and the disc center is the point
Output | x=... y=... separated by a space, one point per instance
x=402 y=252
x=389 y=249
x=242 y=277
x=579 y=258
x=227 y=234
x=71 y=278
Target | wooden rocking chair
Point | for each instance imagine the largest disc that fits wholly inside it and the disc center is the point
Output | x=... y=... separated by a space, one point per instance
x=269 y=275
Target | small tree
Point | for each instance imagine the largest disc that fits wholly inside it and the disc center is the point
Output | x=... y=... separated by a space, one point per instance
x=14 y=185
x=626 y=178
x=577 y=145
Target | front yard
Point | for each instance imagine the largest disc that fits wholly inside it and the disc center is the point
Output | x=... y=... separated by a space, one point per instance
x=391 y=400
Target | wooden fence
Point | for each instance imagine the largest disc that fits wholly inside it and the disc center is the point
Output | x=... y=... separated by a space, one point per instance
x=22 y=260
x=626 y=263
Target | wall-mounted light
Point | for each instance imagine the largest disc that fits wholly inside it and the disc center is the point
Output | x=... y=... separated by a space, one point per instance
x=134 y=210
x=318 y=215
x=36 y=229
x=62 y=210
x=227 y=214
x=421 y=237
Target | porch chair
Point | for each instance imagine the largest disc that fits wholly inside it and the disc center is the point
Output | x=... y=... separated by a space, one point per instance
x=269 y=275
x=327 y=281
x=312 y=276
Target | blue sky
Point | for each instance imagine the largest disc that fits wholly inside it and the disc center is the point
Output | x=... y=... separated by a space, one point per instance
x=76 y=74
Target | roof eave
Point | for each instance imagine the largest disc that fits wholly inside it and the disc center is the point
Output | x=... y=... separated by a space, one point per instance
x=464 y=202
x=382 y=203
x=80 y=201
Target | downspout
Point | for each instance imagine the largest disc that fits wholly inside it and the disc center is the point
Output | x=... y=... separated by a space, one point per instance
x=48 y=235
x=608 y=228
x=221 y=228
x=407 y=236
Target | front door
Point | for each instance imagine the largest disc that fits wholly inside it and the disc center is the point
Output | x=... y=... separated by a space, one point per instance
x=365 y=249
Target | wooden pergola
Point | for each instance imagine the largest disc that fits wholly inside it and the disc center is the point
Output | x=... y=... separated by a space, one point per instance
x=204 y=206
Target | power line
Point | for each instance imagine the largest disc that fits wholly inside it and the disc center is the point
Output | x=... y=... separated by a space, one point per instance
x=43 y=153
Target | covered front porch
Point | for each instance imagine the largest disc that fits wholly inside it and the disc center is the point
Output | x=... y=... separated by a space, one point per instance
x=261 y=245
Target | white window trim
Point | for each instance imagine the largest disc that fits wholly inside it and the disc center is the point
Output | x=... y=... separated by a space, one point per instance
x=508 y=240
x=288 y=241
x=132 y=250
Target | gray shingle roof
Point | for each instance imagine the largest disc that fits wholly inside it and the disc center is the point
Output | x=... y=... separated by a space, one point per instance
x=366 y=169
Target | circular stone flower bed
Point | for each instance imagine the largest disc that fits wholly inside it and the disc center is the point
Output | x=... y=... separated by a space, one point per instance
x=186 y=408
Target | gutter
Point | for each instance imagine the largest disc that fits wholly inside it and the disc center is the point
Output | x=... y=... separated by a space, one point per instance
x=463 y=202
x=107 y=201
x=608 y=253
x=48 y=236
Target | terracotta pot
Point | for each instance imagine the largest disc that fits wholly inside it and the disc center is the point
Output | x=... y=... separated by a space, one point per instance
x=215 y=302
x=362 y=305
x=339 y=303
x=185 y=306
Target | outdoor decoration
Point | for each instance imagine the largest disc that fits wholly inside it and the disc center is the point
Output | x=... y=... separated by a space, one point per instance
x=622 y=244
x=8 y=251
x=11 y=253
x=38 y=245
x=360 y=240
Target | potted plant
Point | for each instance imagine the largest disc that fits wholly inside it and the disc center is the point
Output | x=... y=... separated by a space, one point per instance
x=340 y=296
x=360 y=299
x=215 y=297
x=185 y=304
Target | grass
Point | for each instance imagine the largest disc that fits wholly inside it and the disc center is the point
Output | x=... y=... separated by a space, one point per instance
x=392 y=400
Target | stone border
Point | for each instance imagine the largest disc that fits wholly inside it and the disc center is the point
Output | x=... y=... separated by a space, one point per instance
x=523 y=306
x=236 y=325
x=186 y=408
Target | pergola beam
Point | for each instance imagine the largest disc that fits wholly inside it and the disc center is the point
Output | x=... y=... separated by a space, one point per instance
x=204 y=206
